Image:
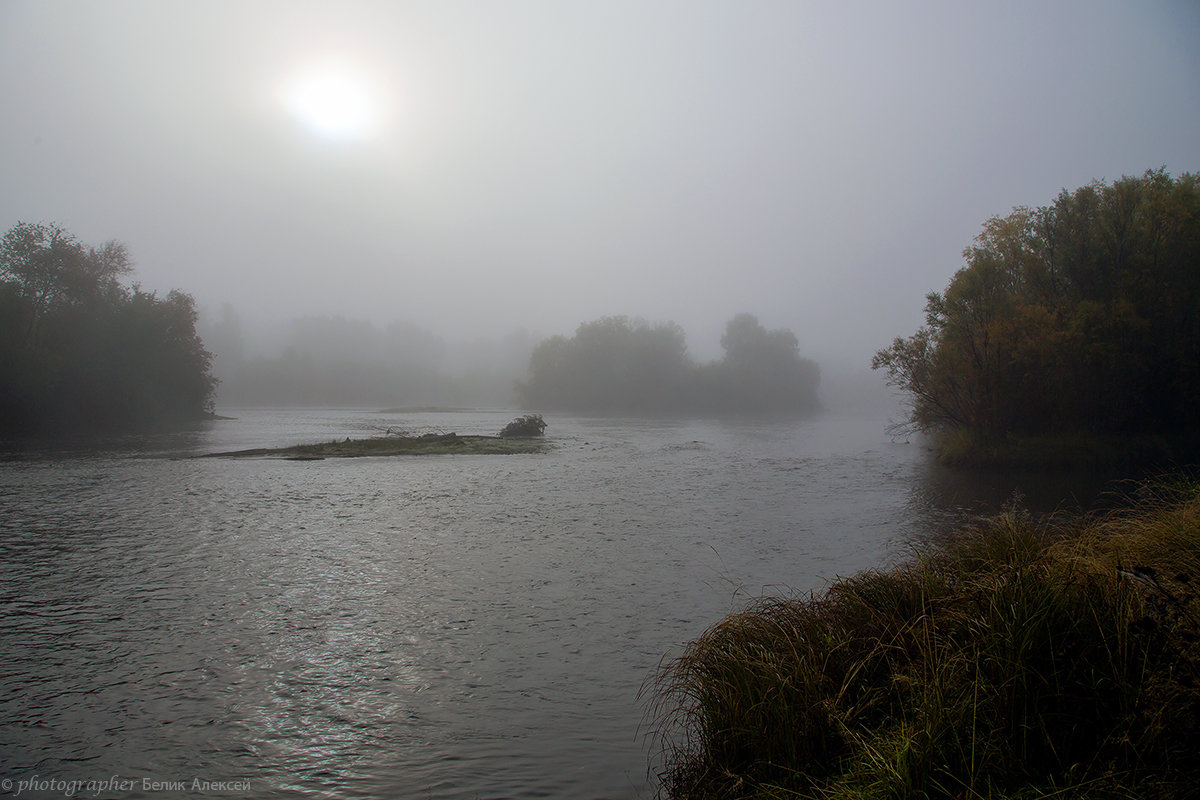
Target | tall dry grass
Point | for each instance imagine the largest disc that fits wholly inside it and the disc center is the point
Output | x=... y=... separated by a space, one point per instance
x=1023 y=658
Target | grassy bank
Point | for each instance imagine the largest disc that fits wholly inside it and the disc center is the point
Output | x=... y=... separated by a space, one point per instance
x=1022 y=659
x=429 y=444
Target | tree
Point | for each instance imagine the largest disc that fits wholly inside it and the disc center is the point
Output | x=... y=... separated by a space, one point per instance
x=618 y=365
x=1083 y=315
x=50 y=270
x=762 y=370
x=79 y=349
x=611 y=364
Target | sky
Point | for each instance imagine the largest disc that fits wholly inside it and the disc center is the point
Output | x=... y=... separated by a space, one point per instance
x=479 y=167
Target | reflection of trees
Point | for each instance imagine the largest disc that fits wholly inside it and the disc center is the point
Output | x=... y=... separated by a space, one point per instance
x=955 y=494
x=618 y=365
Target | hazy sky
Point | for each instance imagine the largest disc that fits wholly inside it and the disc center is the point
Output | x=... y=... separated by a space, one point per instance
x=478 y=166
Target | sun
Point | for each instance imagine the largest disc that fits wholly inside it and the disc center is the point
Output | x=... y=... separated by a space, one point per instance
x=334 y=100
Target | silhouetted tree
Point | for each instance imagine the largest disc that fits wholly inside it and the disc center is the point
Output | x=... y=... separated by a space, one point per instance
x=50 y=270
x=79 y=349
x=611 y=364
x=762 y=371
x=615 y=365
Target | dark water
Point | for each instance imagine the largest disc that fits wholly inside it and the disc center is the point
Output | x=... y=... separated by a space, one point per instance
x=428 y=627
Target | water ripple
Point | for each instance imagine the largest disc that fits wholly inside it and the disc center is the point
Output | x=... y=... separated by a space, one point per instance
x=434 y=627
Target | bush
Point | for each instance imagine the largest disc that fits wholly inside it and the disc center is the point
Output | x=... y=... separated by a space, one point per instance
x=1023 y=658
x=527 y=425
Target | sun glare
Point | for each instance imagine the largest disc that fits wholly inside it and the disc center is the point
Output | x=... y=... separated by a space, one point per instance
x=333 y=100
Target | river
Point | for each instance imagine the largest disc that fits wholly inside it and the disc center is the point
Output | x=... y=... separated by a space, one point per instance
x=425 y=627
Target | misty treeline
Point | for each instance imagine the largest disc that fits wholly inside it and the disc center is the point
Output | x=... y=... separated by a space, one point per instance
x=1082 y=316
x=82 y=351
x=615 y=365
x=333 y=360
x=612 y=365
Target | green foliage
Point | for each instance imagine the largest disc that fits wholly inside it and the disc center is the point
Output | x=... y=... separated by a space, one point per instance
x=1022 y=658
x=82 y=352
x=1081 y=316
x=615 y=365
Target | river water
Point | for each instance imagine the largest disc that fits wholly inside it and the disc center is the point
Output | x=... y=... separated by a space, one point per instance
x=424 y=627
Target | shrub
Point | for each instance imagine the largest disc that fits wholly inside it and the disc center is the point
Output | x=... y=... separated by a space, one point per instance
x=1023 y=658
x=527 y=425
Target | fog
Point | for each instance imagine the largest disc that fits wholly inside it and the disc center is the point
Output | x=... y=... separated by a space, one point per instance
x=467 y=171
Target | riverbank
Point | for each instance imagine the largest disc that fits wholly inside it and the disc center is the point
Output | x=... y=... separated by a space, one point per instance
x=1023 y=657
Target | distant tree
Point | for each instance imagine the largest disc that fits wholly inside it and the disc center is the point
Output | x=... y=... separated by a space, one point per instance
x=612 y=364
x=763 y=370
x=1083 y=315
x=338 y=361
x=225 y=338
x=80 y=350
x=617 y=365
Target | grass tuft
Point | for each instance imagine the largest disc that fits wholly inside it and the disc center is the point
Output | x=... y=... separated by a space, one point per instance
x=1022 y=658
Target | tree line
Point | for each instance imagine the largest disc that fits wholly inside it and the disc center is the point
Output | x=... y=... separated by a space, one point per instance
x=617 y=365
x=1081 y=316
x=339 y=361
x=81 y=351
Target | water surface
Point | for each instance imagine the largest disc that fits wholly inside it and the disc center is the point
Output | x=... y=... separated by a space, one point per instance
x=427 y=627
